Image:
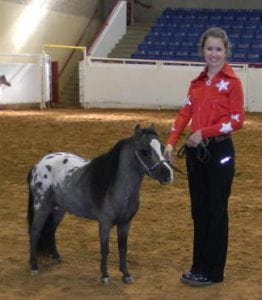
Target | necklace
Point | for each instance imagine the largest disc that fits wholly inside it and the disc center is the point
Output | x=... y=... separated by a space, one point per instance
x=208 y=82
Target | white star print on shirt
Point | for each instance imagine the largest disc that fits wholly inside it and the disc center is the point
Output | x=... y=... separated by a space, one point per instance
x=226 y=127
x=222 y=85
x=187 y=101
x=235 y=117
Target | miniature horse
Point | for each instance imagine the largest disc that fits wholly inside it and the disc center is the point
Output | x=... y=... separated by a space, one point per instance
x=105 y=189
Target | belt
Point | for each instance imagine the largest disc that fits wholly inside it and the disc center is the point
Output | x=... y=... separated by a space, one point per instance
x=220 y=138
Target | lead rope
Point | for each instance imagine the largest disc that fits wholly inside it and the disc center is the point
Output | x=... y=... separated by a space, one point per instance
x=203 y=153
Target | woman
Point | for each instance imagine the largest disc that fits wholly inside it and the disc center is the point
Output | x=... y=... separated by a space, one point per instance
x=214 y=105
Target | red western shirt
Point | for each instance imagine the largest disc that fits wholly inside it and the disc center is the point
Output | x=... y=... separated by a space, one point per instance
x=213 y=106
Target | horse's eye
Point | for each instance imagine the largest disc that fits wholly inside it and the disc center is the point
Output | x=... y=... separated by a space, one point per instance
x=144 y=152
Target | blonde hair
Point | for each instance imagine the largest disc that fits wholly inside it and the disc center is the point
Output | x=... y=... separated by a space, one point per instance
x=215 y=32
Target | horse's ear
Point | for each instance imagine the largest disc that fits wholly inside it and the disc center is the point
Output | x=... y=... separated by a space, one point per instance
x=137 y=129
x=152 y=126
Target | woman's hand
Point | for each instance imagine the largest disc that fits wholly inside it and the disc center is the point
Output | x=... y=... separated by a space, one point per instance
x=195 y=139
x=168 y=152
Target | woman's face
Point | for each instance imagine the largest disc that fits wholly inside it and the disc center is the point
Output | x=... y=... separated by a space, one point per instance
x=214 y=52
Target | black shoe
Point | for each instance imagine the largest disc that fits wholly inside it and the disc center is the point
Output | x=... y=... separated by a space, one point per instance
x=187 y=277
x=198 y=280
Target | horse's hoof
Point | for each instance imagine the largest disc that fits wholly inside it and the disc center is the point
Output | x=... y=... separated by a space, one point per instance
x=106 y=280
x=128 y=279
x=34 y=272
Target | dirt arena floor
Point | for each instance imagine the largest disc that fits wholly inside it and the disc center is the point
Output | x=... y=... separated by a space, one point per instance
x=160 y=241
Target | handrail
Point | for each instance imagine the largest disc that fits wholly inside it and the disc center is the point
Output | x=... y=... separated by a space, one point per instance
x=105 y=23
x=141 y=62
x=78 y=43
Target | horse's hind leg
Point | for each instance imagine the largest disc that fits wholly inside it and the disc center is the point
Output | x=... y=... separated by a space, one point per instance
x=104 y=232
x=122 y=234
x=57 y=216
x=39 y=220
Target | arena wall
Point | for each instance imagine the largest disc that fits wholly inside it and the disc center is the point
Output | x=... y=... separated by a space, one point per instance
x=127 y=83
x=25 y=28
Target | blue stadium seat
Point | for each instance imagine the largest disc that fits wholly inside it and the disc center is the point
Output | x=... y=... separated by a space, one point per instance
x=188 y=44
x=257 y=44
x=254 y=57
x=181 y=55
x=234 y=35
x=239 y=57
x=237 y=26
x=227 y=18
x=241 y=18
x=233 y=43
x=243 y=45
x=167 y=55
x=249 y=26
x=176 y=34
x=215 y=18
x=198 y=26
x=226 y=26
x=185 y=26
x=174 y=46
x=172 y=26
x=195 y=56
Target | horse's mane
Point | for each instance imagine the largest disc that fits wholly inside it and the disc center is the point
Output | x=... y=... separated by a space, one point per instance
x=110 y=159
x=103 y=169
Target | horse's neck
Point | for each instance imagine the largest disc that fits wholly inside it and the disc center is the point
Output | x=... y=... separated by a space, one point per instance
x=118 y=166
x=129 y=168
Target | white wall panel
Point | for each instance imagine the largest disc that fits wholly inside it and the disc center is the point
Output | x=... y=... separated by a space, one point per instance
x=254 y=97
x=124 y=84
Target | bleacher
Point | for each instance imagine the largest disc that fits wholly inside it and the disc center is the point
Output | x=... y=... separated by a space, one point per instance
x=176 y=34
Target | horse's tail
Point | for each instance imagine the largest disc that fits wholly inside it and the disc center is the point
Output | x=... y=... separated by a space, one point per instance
x=30 y=210
x=46 y=235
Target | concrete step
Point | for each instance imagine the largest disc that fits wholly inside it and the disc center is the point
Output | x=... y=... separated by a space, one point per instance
x=69 y=96
x=128 y=44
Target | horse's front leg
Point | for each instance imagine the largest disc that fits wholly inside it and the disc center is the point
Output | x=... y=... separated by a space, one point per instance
x=104 y=233
x=122 y=234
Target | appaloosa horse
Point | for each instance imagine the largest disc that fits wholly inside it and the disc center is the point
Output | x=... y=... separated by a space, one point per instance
x=105 y=189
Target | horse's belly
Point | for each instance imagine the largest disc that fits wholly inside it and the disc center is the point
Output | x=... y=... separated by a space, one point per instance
x=76 y=205
x=82 y=213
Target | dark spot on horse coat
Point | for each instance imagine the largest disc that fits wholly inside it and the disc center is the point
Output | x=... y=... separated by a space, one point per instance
x=65 y=161
x=49 y=168
x=39 y=184
x=45 y=176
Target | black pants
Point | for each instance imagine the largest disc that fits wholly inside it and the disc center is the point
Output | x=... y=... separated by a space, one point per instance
x=210 y=185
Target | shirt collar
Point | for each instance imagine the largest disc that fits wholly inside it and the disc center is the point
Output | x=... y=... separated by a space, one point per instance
x=226 y=71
